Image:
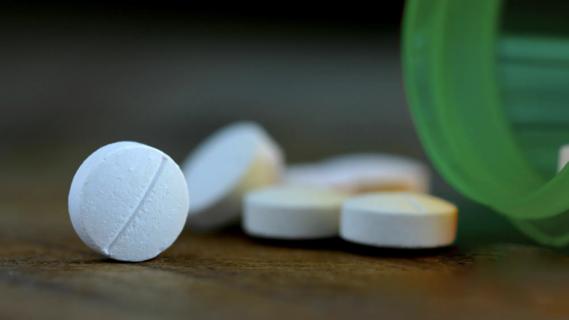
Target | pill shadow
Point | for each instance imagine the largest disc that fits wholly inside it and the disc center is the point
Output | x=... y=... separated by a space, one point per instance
x=403 y=253
x=337 y=244
x=340 y=245
x=314 y=244
x=120 y=262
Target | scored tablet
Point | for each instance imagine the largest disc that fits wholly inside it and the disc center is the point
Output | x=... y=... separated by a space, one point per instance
x=128 y=201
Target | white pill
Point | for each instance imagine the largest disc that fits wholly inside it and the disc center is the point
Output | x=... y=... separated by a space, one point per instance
x=563 y=156
x=233 y=161
x=398 y=220
x=310 y=175
x=287 y=212
x=128 y=201
x=360 y=173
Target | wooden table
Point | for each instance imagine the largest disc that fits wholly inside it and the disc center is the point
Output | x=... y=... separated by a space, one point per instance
x=88 y=88
x=46 y=272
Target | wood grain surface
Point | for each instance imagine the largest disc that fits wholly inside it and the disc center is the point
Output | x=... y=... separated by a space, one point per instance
x=46 y=272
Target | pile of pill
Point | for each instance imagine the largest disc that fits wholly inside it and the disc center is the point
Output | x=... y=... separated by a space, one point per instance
x=129 y=201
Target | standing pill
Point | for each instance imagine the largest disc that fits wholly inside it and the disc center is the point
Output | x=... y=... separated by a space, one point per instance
x=128 y=201
x=233 y=161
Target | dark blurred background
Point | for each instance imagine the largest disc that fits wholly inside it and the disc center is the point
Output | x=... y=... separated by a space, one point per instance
x=321 y=78
x=167 y=73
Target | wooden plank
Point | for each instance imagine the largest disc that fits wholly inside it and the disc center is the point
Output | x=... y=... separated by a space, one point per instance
x=45 y=271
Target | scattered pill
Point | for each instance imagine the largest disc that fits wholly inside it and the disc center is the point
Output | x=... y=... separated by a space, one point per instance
x=563 y=156
x=128 y=201
x=233 y=161
x=293 y=213
x=362 y=173
x=310 y=175
x=398 y=220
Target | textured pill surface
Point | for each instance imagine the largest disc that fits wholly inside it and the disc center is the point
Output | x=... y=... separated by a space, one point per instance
x=128 y=201
x=362 y=173
x=233 y=161
x=288 y=212
x=399 y=220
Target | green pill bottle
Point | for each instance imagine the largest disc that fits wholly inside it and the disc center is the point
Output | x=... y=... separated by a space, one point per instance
x=487 y=82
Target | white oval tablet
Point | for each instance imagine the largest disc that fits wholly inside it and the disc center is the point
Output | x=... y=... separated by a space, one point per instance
x=399 y=220
x=286 y=212
x=563 y=156
x=360 y=173
x=128 y=201
x=234 y=160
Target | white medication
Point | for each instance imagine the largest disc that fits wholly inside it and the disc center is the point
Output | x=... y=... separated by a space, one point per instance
x=128 y=201
x=233 y=161
x=399 y=220
x=311 y=175
x=286 y=212
x=563 y=156
x=360 y=173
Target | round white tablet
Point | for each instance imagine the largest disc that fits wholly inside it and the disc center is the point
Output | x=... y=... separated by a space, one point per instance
x=234 y=160
x=399 y=220
x=360 y=173
x=128 y=201
x=286 y=212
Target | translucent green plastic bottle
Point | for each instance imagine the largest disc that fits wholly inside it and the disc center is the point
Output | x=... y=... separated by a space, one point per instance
x=488 y=86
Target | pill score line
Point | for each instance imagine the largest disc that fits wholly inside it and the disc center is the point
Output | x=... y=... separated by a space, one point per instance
x=155 y=177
